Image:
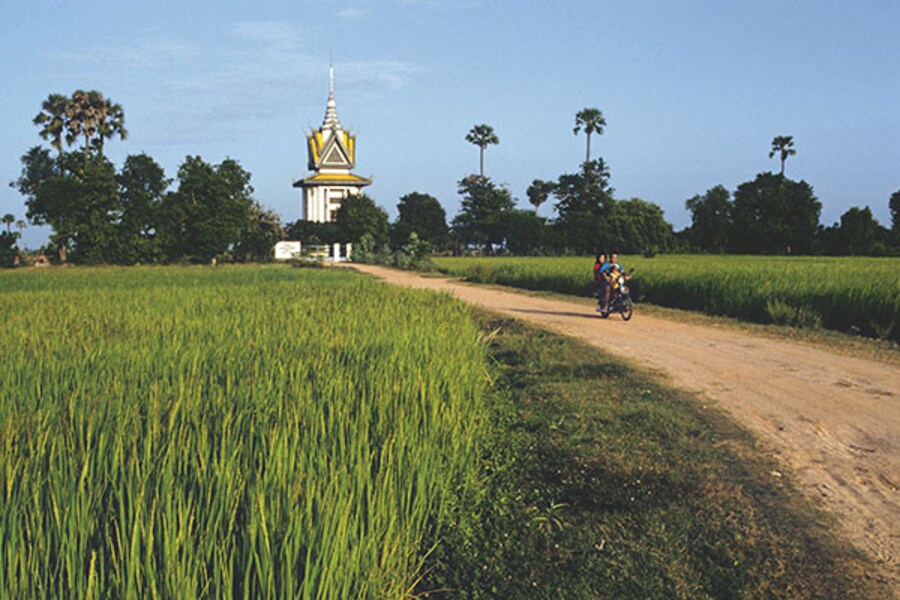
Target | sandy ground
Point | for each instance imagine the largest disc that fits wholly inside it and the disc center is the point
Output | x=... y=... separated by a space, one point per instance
x=832 y=421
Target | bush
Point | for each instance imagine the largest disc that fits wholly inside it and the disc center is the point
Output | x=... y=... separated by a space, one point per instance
x=782 y=313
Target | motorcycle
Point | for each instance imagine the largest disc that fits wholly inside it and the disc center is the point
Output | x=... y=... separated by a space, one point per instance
x=620 y=299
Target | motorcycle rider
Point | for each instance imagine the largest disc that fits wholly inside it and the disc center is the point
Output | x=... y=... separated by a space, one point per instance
x=606 y=274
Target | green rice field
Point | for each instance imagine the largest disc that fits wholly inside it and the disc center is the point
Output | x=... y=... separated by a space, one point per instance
x=229 y=432
x=859 y=294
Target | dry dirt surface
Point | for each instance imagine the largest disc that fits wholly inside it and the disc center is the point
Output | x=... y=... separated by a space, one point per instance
x=833 y=422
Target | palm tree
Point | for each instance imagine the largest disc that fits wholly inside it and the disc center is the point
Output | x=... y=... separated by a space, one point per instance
x=8 y=220
x=85 y=113
x=53 y=118
x=482 y=136
x=783 y=145
x=592 y=121
x=538 y=192
x=112 y=125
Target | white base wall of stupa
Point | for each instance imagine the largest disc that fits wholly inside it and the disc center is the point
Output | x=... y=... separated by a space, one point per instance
x=322 y=202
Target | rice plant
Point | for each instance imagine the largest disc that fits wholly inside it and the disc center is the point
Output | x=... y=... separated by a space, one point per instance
x=229 y=433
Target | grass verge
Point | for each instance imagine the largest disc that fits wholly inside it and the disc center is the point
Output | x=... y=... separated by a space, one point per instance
x=600 y=483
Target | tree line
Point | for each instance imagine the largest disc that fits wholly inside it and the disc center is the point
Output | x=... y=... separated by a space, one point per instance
x=772 y=214
x=137 y=215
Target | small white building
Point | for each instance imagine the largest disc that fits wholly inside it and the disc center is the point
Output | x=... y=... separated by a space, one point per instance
x=332 y=155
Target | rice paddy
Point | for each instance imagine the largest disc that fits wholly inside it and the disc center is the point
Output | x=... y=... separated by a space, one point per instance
x=231 y=432
x=859 y=295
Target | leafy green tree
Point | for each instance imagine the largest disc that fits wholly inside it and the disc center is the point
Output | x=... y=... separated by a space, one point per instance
x=637 y=226
x=423 y=215
x=894 y=205
x=524 y=232
x=261 y=232
x=49 y=195
x=37 y=167
x=482 y=136
x=94 y=238
x=77 y=197
x=591 y=121
x=583 y=201
x=75 y=193
x=538 y=192
x=205 y=216
x=710 y=220
x=586 y=190
x=9 y=248
x=483 y=204
x=782 y=146
x=774 y=215
x=314 y=234
x=53 y=119
x=142 y=186
x=857 y=234
x=358 y=216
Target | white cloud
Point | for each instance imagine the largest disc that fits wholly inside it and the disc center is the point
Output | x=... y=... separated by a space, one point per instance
x=152 y=52
x=377 y=76
x=269 y=33
x=352 y=13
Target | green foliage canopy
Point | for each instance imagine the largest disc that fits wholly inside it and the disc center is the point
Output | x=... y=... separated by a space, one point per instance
x=359 y=216
x=636 y=226
x=774 y=215
x=583 y=200
x=206 y=215
x=480 y=219
x=710 y=220
x=423 y=215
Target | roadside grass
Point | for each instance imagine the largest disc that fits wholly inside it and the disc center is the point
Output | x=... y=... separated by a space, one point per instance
x=600 y=483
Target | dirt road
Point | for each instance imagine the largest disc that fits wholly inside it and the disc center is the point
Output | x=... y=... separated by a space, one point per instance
x=832 y=421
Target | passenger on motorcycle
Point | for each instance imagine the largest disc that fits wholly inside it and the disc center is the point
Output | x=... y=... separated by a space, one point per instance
x=598 y=279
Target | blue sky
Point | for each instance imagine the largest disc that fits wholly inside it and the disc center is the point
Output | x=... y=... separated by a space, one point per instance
x=693 y=92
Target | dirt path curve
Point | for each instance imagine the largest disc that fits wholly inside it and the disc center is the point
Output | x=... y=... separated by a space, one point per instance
x=833 y=421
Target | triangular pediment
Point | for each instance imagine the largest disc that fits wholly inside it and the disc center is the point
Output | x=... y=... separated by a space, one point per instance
x=334 y=155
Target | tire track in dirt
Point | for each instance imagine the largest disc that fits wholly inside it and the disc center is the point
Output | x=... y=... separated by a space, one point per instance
x=833 y=421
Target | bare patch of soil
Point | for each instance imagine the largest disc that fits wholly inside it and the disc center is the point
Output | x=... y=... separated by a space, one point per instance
x=833 y=421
